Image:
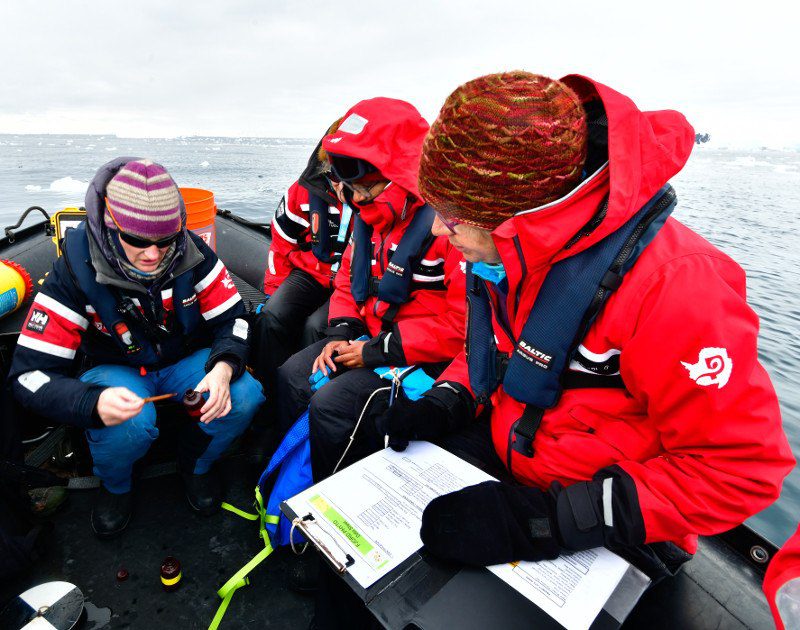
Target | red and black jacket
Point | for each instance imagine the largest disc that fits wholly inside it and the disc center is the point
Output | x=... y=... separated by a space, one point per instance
x=63 y=322
x=692 y=444
x=429 y=326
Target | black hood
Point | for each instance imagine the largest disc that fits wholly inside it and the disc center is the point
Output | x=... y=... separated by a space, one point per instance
x=313 y=178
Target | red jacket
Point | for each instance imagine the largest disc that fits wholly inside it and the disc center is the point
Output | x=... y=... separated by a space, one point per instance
x=291 y=241
x=782 y=582
x=703 y=449
x=429 y=327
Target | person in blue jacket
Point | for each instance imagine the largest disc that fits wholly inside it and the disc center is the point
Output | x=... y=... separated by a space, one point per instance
x=141 y=299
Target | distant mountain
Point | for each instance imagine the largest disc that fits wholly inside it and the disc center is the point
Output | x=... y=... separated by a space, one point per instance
x=700 y=138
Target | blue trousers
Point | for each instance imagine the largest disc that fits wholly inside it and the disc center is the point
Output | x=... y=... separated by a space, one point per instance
x=115 y=449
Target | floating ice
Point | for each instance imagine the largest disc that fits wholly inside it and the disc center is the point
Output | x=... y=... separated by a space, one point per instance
x=784 y=168
x=68 y=185
x=748 y=160
x=33 y=188
x=204 y=164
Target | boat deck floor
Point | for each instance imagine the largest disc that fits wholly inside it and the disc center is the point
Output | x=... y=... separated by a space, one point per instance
x=210 y=549
x=715 y=590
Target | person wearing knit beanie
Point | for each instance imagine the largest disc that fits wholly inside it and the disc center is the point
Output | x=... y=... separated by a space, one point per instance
x=142 y=210
x=143 y=200
x=611 y=347
x=503 y=143
x=153 y=311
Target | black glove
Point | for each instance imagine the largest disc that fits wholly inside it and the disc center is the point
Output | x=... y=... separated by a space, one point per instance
x=492 y=523
x=406 y=419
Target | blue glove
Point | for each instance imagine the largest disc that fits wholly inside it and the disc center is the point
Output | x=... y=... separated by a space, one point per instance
x=261 y=306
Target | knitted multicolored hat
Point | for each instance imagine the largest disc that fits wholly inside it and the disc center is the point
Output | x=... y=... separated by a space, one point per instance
x=503 y=143
x=143 y=200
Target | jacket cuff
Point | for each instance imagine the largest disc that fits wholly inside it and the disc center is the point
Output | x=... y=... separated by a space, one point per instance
x=384 y=349
x=86 y=414
x=457 y=399
x=231 y=359
x=604 y=511
x=457 y=404
x=579 y=515
x=345 y=329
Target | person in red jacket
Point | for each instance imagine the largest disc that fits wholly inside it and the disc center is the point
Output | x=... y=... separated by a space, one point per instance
x=667 y=426
x=310 y=230
x=399 y=287
x=782 y=584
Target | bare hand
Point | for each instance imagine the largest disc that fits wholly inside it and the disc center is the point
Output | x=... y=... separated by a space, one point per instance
x=352 y=355
x=325 y=360
x=117 y=405
x=218 y=385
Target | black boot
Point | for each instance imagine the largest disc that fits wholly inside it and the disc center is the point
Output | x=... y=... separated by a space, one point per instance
x=304 y=572
x=110 y=513
x=202 y=492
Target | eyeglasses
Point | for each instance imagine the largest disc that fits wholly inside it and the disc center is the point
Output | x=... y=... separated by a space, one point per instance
x=141 y=243
x=363 y=190
x=450 y=225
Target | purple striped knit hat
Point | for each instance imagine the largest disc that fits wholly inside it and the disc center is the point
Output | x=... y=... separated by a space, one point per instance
x=143 y=200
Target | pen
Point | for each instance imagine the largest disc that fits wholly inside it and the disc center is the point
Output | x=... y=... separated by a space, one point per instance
x=159 y=397
x=392 y=393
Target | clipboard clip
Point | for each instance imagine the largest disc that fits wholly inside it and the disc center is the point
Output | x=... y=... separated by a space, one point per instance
x=304 y=524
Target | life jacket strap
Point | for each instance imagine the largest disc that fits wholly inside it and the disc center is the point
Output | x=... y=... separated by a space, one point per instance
x=584 y=380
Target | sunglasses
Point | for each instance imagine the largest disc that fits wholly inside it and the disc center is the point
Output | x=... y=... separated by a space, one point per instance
x=349 y=169
x=138 y=242
x=142 y=243
x=450 y=225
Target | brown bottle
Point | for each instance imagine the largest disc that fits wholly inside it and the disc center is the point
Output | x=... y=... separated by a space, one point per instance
x=193 y=401
x=170 y=573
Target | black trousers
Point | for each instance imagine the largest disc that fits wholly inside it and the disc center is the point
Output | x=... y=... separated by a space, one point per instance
x=334 y=410
x=295 y=315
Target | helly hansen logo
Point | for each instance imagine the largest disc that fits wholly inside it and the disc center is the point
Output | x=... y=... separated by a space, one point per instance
x=713 y=367
x=537 y=357
x=395 y=269
x=38 y=321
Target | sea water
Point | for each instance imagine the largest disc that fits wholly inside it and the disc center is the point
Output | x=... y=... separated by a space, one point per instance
x=745 y=202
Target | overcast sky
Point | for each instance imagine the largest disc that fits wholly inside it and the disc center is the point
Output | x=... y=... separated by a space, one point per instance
x=268 y=68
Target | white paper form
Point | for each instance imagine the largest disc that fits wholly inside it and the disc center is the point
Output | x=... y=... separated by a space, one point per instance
x=372 y=509
x=572 y=589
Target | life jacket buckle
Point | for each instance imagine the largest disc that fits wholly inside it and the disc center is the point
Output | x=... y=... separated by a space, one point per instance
x=374 y=284
x=522 y=444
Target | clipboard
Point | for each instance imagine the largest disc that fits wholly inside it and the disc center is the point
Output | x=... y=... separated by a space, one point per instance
x=429 y=593
x=339 y=560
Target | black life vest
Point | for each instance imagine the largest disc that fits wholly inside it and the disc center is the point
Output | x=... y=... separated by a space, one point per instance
x=567 y=304
x=128 y=327
x=395 y=285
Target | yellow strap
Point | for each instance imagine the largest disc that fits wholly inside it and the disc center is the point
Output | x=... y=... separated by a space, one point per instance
x=223 y=607
x=237 y=581
x=240 y=579
x=241 y=573
x=237 y=511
